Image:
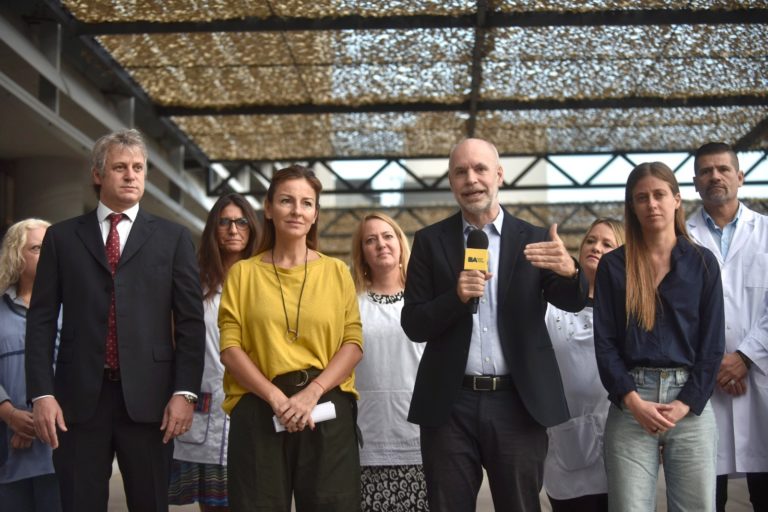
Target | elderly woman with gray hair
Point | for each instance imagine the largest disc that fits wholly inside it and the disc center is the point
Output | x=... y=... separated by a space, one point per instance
x=27 y=478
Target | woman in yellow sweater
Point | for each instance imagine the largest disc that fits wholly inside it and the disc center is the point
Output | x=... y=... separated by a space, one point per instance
x=290 y=339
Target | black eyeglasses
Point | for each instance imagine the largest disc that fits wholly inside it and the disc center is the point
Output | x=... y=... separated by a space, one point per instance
x=241 y=223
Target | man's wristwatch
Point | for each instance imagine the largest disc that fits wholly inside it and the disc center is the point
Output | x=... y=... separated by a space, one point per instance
x=189 y=397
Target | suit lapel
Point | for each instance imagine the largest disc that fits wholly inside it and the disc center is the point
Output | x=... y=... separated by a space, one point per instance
x=89 y=233
x=452 y=240
x=509 y=252
x=142 y=228
x=697 y=228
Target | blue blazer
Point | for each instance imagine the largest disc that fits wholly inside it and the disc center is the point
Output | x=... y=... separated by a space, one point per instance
x=433 y=313
x=161 y=335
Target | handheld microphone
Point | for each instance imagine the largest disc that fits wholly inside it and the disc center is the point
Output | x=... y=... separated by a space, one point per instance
x=476 y=258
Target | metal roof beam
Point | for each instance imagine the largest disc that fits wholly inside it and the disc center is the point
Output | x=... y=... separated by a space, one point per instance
x=738 y=100
x=494 y=19
x=478 y=55
x=511 y=186
x=755 y=135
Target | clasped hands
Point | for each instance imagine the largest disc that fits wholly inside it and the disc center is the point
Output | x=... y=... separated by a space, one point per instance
x=295 y=413
x=21 y=423
x=655 y=418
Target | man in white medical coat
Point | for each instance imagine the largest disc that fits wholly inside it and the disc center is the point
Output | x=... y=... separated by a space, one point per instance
x=738 y=237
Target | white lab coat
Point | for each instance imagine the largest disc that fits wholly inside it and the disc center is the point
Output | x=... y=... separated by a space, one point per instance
x=206 y=441
x=574 y=465
x=742 y=421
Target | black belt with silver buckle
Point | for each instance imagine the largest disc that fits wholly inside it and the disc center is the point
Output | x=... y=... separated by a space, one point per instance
x=112 y=374
x=487 y=382
x=299 y=378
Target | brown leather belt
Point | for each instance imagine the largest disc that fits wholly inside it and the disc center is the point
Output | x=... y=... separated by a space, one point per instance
x=112 y=374
x=487 y=382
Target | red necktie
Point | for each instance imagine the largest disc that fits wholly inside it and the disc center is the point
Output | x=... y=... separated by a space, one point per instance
x=113 y=256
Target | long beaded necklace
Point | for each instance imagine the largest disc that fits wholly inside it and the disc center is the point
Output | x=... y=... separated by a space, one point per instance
x=291 y=334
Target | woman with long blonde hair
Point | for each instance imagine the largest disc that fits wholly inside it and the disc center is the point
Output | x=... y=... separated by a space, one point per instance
x=659 y=339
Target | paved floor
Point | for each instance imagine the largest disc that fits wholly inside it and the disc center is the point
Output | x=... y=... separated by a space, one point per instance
x=738 y=500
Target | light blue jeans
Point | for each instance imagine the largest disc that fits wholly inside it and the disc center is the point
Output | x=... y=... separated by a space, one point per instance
x=632 y=456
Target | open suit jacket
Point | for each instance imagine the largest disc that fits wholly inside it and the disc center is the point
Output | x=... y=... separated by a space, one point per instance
x=434 y=313
x=160 y=331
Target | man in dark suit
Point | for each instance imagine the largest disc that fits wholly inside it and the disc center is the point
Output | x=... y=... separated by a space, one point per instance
x=488 y=384
x=130 y=360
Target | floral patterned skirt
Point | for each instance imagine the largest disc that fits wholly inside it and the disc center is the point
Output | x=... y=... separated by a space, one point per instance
x=393 y=488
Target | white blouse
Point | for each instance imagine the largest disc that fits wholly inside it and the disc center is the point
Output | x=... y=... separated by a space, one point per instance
x=385 y=379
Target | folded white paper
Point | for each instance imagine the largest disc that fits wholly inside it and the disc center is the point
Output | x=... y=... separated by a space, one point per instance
x=321 y=412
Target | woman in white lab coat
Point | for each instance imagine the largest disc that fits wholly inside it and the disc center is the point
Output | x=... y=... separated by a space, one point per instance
x=199 y=472
x=574 y=470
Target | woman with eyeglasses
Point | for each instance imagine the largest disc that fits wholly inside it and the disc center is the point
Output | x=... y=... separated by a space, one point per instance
x=199 y=471
x=290 y=340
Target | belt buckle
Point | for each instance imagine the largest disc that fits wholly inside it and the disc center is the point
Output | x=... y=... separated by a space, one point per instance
x=304 y=378
x=476 y=379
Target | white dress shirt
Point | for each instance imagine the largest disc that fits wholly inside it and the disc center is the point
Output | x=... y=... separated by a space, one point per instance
x=485 y=354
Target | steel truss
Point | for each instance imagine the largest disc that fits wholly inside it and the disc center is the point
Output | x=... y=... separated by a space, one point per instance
x=337 y=226
x=216 y=184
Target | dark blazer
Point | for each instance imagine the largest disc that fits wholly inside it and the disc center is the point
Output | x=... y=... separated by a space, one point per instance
x=157 y=292
x=433 y=313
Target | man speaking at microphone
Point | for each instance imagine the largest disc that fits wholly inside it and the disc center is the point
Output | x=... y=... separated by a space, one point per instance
x=488 y=384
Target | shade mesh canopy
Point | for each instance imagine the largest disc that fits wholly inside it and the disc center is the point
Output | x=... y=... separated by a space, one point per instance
x=255 y=80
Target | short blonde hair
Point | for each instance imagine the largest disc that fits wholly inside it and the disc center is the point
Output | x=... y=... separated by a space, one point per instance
x=11 y=257
x=361 y=271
